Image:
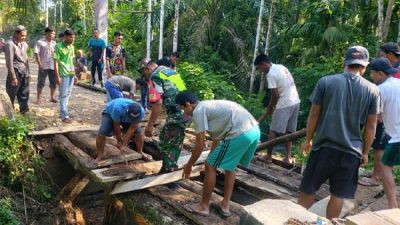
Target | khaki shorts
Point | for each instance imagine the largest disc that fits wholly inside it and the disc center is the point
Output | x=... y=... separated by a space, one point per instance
x=285 y=120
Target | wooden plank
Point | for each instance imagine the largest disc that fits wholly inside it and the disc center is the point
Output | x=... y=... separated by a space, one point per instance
x=91 y=87
x=118 y=159
x=263 y=189
x=179 y=197
x=133 y=185
x=65 y=129
x=367 y=219
x=138 y=169
x=282 y=139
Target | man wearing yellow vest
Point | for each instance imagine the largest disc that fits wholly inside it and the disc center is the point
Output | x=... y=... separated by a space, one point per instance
x=168 y=83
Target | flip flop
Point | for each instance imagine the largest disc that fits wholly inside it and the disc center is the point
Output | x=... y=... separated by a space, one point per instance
x=220 y=211
x=146 y=157
x=189 y=208
x=368 y=182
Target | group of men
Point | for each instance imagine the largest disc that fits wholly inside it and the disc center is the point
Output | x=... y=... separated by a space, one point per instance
x=340 y=128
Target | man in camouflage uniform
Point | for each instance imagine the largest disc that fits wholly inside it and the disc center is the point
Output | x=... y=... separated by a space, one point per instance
x=167 y=83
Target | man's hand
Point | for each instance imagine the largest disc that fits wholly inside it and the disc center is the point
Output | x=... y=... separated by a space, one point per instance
x=75 y=80
x=58 y=80
x=14 y=82
x=187 y=170
x=40 y=67
x=364 y=160
x=148 y=131
x=306 y=147
x=119 y=145
x=100 y=60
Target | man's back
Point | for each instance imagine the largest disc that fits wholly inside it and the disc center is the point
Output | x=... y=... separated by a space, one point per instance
x=346 y=100
x=390 y=92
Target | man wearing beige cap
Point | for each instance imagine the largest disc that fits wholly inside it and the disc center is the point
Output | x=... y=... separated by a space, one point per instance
x=343 y=105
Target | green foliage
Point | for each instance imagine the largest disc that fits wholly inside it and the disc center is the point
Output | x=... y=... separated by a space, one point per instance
x=19 y=163
x=6 y=214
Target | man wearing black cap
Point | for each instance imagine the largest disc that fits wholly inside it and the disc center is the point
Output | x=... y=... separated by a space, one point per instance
x=389 y=87
x=342 y=105
x=126 y=113
x=391 y=51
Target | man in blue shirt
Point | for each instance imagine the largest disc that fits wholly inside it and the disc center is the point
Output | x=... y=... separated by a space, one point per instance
x=97 y=46
x=125 y=113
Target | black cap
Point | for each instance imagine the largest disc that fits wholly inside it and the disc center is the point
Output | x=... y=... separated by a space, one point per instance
x=133 y=111
x=390 y=47
x=382 y=64
x=356 y=55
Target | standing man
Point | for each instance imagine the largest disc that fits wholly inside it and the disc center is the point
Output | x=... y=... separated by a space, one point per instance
x=166 y=83
x=117 y=84
x=284 y=104
x=44 y=50
x=391 y=51
x=342 y=106
x=174 y=59
x=115 y=56
x=97 y=46
x=235 y=136
x=17 y=83
x=389 y=87
x=124 y=113
x=65 y=71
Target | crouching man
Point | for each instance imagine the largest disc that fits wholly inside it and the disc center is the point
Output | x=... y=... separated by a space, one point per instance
x=125 y=113
x=235 y=136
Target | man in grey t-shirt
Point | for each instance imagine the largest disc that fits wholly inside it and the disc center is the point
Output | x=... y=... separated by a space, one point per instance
x=117 y=84
x=342 y=105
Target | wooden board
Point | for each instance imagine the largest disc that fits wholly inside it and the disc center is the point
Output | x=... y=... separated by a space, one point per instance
x=178 y=198
x=146 y=168
x=263 y=189
x=65 y=129
x=133 y=185
x=383 y=217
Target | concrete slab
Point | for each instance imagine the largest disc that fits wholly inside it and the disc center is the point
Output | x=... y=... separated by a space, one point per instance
x=271 y=211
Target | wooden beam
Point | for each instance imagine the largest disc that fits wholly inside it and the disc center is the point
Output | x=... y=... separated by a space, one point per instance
x=73 y=188
x=282 y=139
x=65 y=129
x=134 y=185
x=138 y=169
x=91 y=87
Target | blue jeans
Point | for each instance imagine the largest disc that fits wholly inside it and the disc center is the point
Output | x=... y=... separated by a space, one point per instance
x=99 y=67
x=65 y=91
x=112 y=91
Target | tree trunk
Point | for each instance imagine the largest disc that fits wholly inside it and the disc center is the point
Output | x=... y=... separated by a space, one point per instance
x=380 y=20
x=176 y=26
x=148 y=41
x=55 y=14
x=398 y=32
x=101 y=17
x=61 y=9
x=267 y=40
x=253 y=68
x=388 y=18
x=46 y=10
x=84 y=15
x=160 y=48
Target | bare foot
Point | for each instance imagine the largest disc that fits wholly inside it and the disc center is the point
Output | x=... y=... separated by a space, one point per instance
x=53 y=100
x=288 y=160
x=39 y=102
x=266 y=159
x=99 y=158
x=197 y=209
x=146 y=157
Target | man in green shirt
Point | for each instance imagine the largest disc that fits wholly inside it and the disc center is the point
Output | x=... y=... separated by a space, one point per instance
x=65 y=71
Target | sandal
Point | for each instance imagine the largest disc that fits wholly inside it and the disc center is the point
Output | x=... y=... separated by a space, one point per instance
x=189 y=208
x=368 y=182
x=220 y=211
x=147 y=157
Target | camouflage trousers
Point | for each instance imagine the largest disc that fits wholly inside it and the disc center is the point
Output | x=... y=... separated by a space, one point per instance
x=171 y=139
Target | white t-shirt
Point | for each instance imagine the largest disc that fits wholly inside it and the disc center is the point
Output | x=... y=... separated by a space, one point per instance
x=45 y=50
x=279 y=77
x=222 y=119
x=390 y=100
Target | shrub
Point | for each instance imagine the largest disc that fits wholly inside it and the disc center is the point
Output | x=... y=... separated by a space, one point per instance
x=6 y=215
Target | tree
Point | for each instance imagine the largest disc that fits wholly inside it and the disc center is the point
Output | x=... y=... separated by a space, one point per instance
x=101 y=17
x=149 y=31
x=253 y=68
x=384 y=20
x=160 y=48
x=176 y=27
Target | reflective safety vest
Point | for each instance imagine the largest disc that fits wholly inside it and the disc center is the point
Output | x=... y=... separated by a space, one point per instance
x=171 y=75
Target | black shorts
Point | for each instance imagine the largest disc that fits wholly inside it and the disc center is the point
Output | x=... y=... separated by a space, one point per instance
x=43 y=74
x=381 y=138
x=339 y=167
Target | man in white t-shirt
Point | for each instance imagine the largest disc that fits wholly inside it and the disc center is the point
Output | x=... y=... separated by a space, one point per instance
x=235 y=136
x=284 y=104
x=389 y=88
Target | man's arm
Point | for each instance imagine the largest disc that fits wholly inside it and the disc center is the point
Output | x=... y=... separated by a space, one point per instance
x=108 y=68
x=56 y=72
x=198 y=148
x=368 y=138
x=123 y=62
x=312 y=122
x=129 y=134
x=272 y=104
x=9 y=52
x=118 y=133
x=156 y=110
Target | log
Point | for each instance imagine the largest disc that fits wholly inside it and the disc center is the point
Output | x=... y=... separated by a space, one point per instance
x=282 y=139
x=73 y=188
x=87 y=142
x=115 y=212
x=179 y=197
x=139 y=169
x=91 y=87
x=65 y=129
x=152 y=181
